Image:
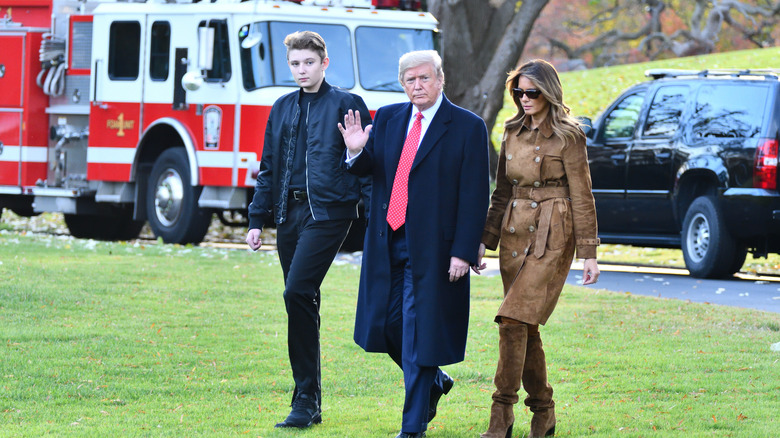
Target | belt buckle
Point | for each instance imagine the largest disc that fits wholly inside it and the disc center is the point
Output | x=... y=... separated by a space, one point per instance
x=299 y=195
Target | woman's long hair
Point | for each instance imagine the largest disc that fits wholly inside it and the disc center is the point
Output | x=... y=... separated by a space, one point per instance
x=545 y=79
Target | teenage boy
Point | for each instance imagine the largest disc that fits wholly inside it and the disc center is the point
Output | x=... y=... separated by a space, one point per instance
x=304 y=188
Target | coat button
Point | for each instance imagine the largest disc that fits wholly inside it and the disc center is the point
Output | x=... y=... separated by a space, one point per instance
x=537 y=159
x=514 y=182
x=381 y=233
x=534 y=205
x=511 y=229
x=384 y=206
x=514 y=253
x=525 y=251
x=537 y=184
x=514 y=204
x=537 y=148
x=531 y=228
x=509 y=157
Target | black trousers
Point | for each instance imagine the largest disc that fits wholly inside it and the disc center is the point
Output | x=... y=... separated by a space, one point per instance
x=306 y=251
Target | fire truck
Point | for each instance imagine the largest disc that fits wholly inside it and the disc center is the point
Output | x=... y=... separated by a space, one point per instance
x=116 y=113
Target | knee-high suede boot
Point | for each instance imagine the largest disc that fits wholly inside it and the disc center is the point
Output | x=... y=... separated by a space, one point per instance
x=539 y=391
x=512 y=339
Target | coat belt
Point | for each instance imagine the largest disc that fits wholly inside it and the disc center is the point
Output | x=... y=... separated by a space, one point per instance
x=541 y=195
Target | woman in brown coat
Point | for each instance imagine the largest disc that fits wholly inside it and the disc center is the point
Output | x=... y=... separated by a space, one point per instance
x=541 y=211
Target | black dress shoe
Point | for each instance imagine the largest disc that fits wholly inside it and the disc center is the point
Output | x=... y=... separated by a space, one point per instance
x=410 y=435
x=436 y=393
x=305 y=412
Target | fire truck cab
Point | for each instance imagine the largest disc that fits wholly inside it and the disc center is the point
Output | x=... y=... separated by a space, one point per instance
x=120 y=112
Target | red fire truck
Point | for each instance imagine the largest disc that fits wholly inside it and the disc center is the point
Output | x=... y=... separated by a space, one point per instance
x=115 y=113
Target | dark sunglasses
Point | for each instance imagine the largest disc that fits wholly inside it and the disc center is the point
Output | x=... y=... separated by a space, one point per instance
x=532 y=93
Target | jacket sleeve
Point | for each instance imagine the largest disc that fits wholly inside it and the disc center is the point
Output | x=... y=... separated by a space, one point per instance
x=473 y=193
x=260 y=209
x=366 y=181
x=501 y=195
x=575 y=162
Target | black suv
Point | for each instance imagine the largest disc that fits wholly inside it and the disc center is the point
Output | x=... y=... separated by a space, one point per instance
x=689 y=160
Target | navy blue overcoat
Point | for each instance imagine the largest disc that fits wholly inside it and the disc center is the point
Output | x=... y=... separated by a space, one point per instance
x=448 y=201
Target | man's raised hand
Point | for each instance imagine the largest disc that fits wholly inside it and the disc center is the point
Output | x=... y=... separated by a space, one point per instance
x=355 y=137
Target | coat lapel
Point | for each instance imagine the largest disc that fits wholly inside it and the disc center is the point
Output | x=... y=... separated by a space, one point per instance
x=396 y=134
x=435 y=131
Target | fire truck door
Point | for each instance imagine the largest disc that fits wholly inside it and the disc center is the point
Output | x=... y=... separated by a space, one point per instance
x=215 y=106
x=115 y=117
x=11 y=83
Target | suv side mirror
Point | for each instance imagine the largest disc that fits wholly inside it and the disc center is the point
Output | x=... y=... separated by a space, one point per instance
x=586 y=125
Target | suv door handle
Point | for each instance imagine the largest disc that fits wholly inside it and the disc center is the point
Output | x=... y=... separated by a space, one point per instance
x=663 y=155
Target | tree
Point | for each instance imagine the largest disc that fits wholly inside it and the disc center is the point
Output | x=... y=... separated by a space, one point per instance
x=482 y=40
x=605 y=32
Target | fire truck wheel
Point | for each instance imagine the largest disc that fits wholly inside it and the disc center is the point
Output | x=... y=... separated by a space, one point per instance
x=101 y=227
x=172 y=203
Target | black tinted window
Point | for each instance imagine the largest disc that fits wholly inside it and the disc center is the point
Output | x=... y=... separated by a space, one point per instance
x=337 y=39
x=622 y=119
x=729 y=111
x=220 y=70
x=665 y=111
x=378 y=51
x=124 y=50
x=159 y=58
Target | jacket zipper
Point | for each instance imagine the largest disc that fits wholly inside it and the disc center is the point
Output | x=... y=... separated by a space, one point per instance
x=306 y=159
x=286 y=185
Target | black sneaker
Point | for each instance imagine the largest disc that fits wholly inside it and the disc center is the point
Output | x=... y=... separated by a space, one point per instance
x=305 y=412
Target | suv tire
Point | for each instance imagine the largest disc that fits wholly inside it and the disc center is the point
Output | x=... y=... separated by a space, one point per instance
x=708 y=248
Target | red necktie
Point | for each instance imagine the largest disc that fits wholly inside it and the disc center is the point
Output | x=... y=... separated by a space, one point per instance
x=396 y=212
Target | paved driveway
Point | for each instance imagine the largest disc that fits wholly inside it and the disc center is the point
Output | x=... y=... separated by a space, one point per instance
x=750 y=291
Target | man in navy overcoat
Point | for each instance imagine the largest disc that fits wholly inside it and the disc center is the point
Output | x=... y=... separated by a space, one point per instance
x=413 y=301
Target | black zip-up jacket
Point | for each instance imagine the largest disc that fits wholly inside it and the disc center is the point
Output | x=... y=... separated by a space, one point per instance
x=333 y=192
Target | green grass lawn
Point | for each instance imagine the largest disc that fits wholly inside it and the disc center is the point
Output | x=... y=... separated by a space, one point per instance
x=112 y=339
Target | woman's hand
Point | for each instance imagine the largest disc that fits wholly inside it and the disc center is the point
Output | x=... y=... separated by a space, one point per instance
x=590 y=272
x=480 y=266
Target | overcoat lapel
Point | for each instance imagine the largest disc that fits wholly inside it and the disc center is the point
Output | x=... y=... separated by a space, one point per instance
x=396 y=135
x=436 y=129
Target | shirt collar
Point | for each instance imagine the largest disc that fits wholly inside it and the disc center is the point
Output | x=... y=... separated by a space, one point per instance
x=430 y=112
x=545 y=128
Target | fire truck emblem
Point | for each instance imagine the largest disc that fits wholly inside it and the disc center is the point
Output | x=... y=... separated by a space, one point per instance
x=120 y=124
x=212 y=122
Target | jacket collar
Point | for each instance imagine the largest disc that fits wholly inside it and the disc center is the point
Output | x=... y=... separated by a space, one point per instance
x=324 y=88
x=545 y=128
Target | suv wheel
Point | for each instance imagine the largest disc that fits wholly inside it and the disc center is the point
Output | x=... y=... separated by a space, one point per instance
x=708 y=248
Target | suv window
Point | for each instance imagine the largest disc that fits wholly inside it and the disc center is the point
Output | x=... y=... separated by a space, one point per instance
x=665 y=111
x=622 y=119
x=719 y=115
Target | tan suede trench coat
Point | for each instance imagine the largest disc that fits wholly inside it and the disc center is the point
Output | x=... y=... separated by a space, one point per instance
x=541 y=210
